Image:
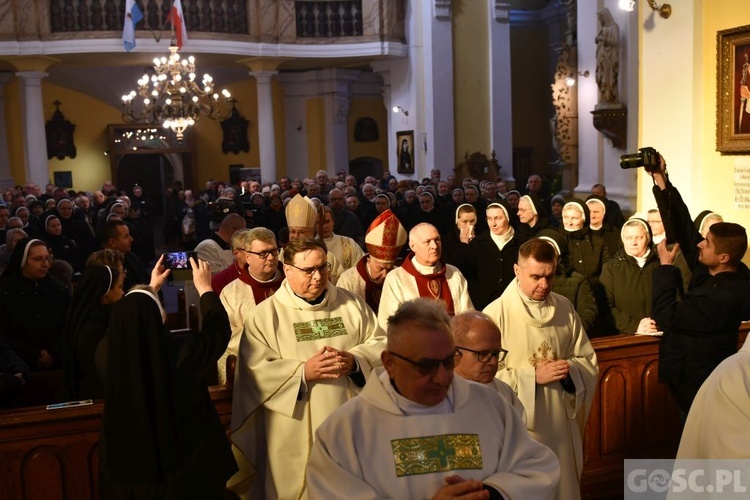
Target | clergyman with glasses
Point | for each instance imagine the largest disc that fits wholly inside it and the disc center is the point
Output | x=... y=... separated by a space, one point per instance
x=257 y=277
x=418 y=431
x=304 y=352
x=479 y=354
x=551 y=364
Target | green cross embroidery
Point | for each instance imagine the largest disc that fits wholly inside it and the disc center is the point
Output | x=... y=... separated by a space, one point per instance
x=442 y=453
x=319 y=329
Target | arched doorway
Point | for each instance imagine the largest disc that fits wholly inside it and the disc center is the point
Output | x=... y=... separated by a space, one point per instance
x=153 y=172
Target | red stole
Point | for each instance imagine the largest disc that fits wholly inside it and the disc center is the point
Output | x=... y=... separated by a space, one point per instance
x=261 y=290
x=431 y=286
x=372 y=290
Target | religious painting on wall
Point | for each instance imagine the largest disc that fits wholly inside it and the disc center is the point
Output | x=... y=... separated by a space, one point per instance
x=733 y=91
x=59 y=132
x=405 y=151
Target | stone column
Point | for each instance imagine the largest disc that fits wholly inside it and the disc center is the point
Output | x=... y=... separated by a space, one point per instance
x=336 y=95
x=6 y=180
x=501 y=116
x=32 y=123
x=266 y=134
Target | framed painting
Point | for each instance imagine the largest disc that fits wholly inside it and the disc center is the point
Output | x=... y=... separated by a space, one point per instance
x=733 y=91
x=405 y=151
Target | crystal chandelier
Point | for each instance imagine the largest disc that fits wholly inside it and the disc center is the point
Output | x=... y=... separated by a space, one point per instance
x=171 y=96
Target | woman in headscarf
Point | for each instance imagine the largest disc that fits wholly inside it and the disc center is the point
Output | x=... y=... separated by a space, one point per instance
x=627 y=280
x=33 y=306
x=587 y=250
x=161 y=437
x=456 y=241
x=489 y=267
x=62 y=248
x=86 y=325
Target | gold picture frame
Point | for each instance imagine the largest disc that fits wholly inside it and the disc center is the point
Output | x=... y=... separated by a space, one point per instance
x=405 y=152
x=732 y=74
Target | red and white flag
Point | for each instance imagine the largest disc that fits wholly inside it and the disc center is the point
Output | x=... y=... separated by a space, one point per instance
x=178 y=21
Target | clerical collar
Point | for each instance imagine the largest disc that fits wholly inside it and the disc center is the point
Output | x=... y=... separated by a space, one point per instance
x=317 y=300
x=596 y=228
x=409 y=407
x=263 y=282
x=426 y=269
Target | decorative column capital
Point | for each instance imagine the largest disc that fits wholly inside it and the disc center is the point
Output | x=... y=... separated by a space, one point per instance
x=263 y=77
x=500 y=10
x=442 y=9
x=31 y=76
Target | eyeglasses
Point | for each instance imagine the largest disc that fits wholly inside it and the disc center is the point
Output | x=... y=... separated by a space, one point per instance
x=264 y=254
x=308 y=271
x=485 y=356
x=429 y=366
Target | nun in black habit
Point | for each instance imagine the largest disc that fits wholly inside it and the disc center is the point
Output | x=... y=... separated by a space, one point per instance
x=88 y=317
x=161 y=437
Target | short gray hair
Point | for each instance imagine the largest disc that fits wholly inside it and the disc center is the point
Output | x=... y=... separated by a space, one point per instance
x=423 y=312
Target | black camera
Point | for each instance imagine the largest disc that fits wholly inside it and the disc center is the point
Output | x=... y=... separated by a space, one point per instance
x=648 y=158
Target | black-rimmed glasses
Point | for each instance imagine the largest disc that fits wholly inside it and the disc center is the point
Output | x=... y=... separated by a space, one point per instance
x=485 y=356
x=264 y=254
x=429 y=366
x=309 y=271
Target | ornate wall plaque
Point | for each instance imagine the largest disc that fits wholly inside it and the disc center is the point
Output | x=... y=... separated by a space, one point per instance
x=60 y=136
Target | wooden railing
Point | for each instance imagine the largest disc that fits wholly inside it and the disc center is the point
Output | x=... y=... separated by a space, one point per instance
x=328 y=18
x=261 y=19
x=51 y=454
x=213 y=16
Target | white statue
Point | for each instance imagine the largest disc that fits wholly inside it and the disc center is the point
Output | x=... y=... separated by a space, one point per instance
x=607 y=58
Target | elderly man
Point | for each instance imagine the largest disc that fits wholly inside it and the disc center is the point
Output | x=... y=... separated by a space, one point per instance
x=385 y=239
x=345 y=222
x=423 y=275
x=550 y=359
x=416 y=431
x=305 y=351
x=479 y=353
x=258 y=277
x=346 y=250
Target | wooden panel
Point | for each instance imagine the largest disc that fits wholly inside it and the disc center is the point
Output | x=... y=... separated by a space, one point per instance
x=53 y=454
x=633 y=414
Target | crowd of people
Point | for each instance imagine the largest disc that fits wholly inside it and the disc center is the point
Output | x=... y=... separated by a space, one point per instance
x=327 y=288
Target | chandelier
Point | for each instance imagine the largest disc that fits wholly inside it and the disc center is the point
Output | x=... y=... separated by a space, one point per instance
x=171 y=96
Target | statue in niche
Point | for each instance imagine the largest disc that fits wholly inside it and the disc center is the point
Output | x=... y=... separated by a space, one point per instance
x=607 y=59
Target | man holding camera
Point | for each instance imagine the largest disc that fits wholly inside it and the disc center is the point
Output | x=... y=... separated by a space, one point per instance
x=701 y=329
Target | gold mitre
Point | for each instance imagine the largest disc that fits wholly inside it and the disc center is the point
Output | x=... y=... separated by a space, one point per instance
x=301 y=212
x=385 y=237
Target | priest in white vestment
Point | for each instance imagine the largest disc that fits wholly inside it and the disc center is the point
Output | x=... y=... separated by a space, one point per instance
x=423 y=275
x=304 y=352
x=718 y=424
x=259 y=278
x=301 y=217
x=479 y=353
x=550 y=364
x=416 y=431
x=346 y=250
x=384 y=241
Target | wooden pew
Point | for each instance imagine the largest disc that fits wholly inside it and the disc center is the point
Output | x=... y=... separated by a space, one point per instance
x=52 y=454
x=633 y=415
